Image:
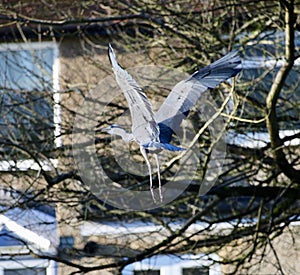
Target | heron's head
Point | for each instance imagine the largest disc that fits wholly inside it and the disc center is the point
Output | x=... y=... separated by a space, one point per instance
x=115 y=129
x=111 y=129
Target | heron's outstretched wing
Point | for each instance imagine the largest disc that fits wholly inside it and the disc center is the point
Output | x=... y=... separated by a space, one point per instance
x=144 y=127
x=187 y=92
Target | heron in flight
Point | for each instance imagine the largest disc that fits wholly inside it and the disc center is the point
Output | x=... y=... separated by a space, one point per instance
x=153 y=132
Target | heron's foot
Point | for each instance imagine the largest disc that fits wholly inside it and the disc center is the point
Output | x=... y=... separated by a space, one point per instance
x=160 y=194
x=154 y=196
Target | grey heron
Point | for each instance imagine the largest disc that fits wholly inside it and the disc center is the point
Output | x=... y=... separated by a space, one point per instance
x=153 y=132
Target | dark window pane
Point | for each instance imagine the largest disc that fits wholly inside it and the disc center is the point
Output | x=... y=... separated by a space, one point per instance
x=195 y=271
x=25 y=271
x=26 y=100
x=259 y=82
x=146 y=272
x=261 y=64
x=26 y=69
x=66 y=241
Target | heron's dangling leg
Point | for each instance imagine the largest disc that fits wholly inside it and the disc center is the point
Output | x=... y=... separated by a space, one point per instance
x=158 y=175
x=144 y=153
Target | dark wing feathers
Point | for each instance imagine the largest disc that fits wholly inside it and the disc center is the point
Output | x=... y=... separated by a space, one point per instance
x=217 y=72
x=187 y=92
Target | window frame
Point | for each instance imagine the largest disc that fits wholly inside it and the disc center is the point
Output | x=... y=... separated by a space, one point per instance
x=49 y=265
x=26 y=164
x=169 y=265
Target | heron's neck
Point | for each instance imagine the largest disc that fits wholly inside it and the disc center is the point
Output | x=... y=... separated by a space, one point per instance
x=123 y=134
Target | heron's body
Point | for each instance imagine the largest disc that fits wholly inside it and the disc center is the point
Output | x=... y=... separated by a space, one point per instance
x=154 y=131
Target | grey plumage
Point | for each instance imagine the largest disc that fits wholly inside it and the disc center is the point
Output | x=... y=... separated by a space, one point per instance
x=154 y=131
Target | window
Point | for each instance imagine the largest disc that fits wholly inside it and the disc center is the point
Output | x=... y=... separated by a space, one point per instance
x=29 y=113
x=261 y=62
x=146 y=272
x=195 y=271
x=260 y=75
x=66 y=242
x=25 y=271
x=176 y=265
x=27 y=267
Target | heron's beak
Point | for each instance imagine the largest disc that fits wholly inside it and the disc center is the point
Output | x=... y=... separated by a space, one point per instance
x=106 y=129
